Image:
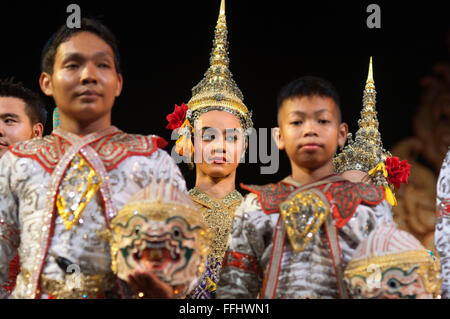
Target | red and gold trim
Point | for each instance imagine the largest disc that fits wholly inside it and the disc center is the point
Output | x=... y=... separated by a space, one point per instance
x=270 y=195
x=242 y=261
x=112 y=148
x=347 y=196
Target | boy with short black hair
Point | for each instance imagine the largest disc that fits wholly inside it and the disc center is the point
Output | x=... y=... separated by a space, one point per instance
x=292 y=239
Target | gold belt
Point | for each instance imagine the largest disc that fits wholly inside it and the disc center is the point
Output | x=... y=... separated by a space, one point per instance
x=76 y=286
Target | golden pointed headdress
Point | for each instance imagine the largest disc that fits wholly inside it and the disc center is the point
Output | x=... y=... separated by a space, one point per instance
x=217 y=90
x=366 y=151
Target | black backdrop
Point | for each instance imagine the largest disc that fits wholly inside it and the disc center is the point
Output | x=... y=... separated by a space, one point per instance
x=165 y=48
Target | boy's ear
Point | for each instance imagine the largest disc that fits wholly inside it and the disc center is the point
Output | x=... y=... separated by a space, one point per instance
x=278 y=138
x=46 y=84
x=342 y=134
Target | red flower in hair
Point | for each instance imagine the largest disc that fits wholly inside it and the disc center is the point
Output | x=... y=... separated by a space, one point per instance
x=177 y=117
x=398 y=172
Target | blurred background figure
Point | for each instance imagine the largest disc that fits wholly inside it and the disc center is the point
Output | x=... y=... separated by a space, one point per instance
x=425 y=151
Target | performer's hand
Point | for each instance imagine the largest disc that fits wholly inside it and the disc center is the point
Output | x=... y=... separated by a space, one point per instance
x=148 y=286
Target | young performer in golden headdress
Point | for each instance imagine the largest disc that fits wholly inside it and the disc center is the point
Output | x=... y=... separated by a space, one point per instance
x=213 y=129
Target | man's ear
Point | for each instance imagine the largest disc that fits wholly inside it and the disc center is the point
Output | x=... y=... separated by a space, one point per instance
x=46 y=84
x=38 y=130
x=119 y=84
x=342 y=134
x=278 y=138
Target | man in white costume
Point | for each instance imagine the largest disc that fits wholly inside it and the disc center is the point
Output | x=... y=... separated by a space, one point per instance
x=59 y=192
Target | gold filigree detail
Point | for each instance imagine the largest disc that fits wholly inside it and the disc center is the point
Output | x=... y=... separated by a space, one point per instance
x=74 y=286
x=366 y=151
x=218 y=89
x=219 y=215
x=303 y=214
x=77 y=188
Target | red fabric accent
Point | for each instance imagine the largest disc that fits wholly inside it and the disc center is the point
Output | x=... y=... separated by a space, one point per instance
x=14 y=270
x=41 y=150
x=241 y=261
x=346 y=196
x=444 y=209
x=159 y=141
x=270 y=195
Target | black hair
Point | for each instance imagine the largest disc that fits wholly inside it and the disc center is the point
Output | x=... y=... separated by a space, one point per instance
x=309 y=86
x=64 y=34
x=34 y=106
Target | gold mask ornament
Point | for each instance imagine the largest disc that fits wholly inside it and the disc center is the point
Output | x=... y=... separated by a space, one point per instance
x=160 y=230
x=393 y=264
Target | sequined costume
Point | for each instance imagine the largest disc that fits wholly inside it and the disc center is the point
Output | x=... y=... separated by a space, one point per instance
x=442 y=233
x=219 y=215
x=299 y=234
x=58 y=193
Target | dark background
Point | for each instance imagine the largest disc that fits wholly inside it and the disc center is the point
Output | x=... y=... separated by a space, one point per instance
x=165 y=47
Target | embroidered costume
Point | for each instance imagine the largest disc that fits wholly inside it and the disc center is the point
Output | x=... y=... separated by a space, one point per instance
x=219 y=215
x=58 y=193
x=442 y=233
x=292 y=241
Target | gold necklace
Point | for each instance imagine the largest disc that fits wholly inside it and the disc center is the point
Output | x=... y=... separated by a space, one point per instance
x=218 y=214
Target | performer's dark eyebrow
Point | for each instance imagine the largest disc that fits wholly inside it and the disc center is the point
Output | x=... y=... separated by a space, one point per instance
x=80 y=57
x=232 y=130
x=208 y=128
x=303 y=113
x=5 y=115
x=226 y=131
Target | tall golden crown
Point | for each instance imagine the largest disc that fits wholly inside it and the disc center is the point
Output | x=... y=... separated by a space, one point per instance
x=366 y=151
x=217 y=90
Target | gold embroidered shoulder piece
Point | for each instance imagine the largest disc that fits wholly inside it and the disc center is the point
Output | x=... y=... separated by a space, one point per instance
x=112 y=148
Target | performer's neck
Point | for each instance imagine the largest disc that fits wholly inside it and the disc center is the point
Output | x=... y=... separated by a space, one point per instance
x=217 y=187
x=84 y=127
x=306 y=176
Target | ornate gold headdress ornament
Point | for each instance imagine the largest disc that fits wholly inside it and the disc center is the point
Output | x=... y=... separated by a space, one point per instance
x=216 y=91
x=366 y=153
